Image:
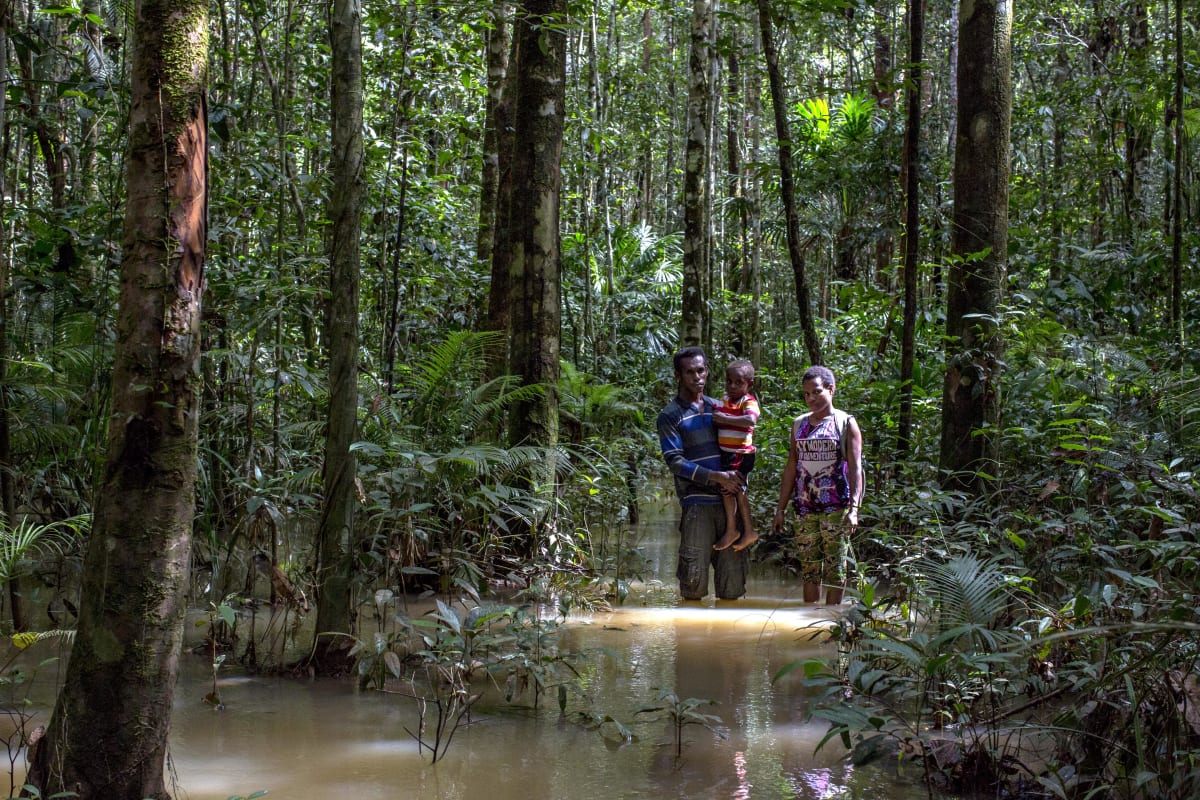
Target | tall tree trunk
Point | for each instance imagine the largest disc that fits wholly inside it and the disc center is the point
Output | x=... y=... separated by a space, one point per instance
x=787 y=184
x=107 y=737
x=1139 y=127
x=500 y=290
x=738 y=269
x=8 y=496
x=646 y=155
x=885 y=97
x=753 y=191
x=1177 y=185
x=696 y=188
x=970 y=394
x=645 y=209
x=44 y=120
x=401 y=139
x=911 y=171
x=533 y=224
x=1058 y=171
x=281 y=99
x=952 y=78
x=335 y=535
x=499 y=42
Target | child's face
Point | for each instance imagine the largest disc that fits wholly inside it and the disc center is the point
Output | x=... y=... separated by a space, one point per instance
x=817 y=396
x=737 y=383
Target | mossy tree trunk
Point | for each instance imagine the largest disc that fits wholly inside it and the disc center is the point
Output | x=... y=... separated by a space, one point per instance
x=970 y=394
x=107 y=737
x=336 y=536
x=533 y=222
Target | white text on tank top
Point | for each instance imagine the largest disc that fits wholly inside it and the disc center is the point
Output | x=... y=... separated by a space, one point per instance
x=820 y=482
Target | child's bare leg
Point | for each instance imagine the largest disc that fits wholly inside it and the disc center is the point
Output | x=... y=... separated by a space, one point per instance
x=731 y=529
x=748 y=537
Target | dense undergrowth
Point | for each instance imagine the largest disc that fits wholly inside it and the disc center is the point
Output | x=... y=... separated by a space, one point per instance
x=1039 y=640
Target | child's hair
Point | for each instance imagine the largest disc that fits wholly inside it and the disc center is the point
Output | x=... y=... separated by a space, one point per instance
x=824 y=374
x=741 y=365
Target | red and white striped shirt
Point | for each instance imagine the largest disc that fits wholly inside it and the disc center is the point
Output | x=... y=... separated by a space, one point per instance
x=732 y=439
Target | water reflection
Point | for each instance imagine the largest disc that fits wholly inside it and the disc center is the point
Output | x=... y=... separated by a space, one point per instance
x=324 y=739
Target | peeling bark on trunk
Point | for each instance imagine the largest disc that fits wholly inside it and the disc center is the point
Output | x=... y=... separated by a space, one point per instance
x=107 y=738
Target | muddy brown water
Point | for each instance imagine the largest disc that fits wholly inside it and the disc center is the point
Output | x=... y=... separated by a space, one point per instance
x=308 y=739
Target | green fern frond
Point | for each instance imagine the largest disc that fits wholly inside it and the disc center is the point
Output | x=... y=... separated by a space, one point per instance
x=459 y=358
x=493 y=398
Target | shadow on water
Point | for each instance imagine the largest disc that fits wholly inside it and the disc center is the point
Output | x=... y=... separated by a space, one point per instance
x=325 y=739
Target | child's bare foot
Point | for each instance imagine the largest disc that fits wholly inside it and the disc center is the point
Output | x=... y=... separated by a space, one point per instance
x=748 y=538
x=729 y=538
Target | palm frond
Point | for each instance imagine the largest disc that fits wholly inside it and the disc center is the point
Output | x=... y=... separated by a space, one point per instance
x=27 y=538
x=966 y=591
x=23 y=640
x=44 y=437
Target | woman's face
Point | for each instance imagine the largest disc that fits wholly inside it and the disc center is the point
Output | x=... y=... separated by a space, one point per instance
x=817 y=396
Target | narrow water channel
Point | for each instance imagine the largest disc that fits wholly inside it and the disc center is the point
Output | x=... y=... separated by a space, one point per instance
x=303 y=739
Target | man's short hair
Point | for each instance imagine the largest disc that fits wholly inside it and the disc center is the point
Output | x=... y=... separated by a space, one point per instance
x=824 y=373
x=690 y=352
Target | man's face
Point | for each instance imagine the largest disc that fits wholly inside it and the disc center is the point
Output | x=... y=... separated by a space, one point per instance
x=692 y=376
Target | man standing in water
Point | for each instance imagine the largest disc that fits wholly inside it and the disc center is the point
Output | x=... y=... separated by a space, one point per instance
x=689 y=446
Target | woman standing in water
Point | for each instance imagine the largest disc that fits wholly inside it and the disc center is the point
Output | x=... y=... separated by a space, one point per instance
x=824 y=480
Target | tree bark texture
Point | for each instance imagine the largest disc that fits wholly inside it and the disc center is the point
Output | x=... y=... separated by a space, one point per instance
x=970 y=395
x=911 y=172
x=1177 y=203
x=336 y=531
x=107 y=737
x=787 y=184
x=533 y=225
x=500 y=288
x=696 y=188
x=645 y=208
x=8 y=496
x=1139 y=126
x=499 y=42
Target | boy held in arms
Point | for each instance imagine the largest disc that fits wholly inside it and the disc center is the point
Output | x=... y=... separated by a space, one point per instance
x=735 y=418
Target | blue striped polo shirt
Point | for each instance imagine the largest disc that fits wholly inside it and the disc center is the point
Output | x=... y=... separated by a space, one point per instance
x=689 y=446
